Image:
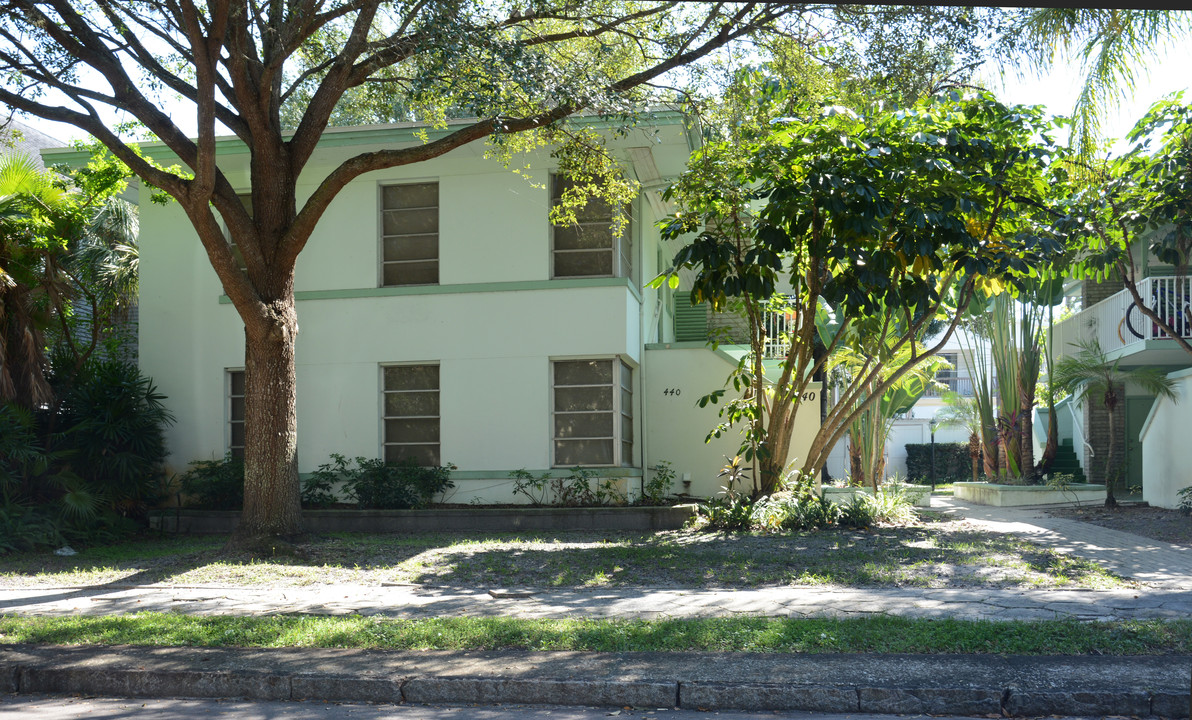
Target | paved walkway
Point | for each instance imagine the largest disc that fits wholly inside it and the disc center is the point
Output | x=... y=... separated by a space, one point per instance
x=1123 y=553
x=1165 y=569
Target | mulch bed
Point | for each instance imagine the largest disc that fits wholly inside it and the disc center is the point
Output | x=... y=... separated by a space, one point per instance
x=1156 y=523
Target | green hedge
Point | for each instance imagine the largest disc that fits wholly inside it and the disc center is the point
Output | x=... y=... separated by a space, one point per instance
x=952 y=462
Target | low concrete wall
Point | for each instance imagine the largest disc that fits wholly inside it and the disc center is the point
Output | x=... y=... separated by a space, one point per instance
x=919 y=495
x=1014 y=495
x=513 y=519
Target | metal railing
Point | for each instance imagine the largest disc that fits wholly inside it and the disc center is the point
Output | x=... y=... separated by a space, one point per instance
x=962 y=386
x=778 y=327
x=1117 y=322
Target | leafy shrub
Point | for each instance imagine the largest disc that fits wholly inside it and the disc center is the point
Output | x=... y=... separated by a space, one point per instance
x=791 y=512
x=21 y=455
x=318 y=489
x=114 y=436
x=859 y=512
x=890 y=505
x=1185 y=505
x=534 y=488
x=732 y=513
x=376 y=484
x=952 y=462
x=23 y=527
x=574 y=490
x=657 y=488
x=215 y=484
x=87 y=466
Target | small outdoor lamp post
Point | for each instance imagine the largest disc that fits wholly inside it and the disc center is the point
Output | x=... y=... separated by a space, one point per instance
x=931 y=424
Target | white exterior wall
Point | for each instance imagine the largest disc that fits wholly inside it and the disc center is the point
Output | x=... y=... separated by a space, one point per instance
x=675 y=380
x=493 y=324
x=1166 y=452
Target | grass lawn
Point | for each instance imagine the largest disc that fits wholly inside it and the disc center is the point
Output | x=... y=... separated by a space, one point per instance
x=878 y=634
x=931 y=553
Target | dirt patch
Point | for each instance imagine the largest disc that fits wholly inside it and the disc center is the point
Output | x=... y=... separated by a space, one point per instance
x=1156 y=523
x=923 y=553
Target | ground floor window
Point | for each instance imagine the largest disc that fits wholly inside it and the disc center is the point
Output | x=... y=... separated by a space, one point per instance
x=235 y=383
x=410 y=413
x=592 y=413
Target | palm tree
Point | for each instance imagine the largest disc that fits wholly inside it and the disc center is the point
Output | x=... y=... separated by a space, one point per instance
x=1113 y=42
x=962 y=412
x=1090 y=373
x=32 y=209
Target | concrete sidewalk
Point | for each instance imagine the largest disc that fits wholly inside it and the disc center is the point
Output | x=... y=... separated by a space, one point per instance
x=646 y=603
x=930 y=684
x=940 y=684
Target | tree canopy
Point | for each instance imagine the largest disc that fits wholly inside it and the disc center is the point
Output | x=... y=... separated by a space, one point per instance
x=276 y=74
x=874 y=225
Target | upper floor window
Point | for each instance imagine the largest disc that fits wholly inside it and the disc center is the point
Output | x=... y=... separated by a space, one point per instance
x=410 y=234
x=589 y=247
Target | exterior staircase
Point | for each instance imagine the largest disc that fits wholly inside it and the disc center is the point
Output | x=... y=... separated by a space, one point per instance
x=1067 y=462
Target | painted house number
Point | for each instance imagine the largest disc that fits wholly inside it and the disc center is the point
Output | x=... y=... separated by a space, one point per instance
x=672 y=392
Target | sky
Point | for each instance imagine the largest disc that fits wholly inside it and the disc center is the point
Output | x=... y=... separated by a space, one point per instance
x=1057 y=89
x=1168 y=72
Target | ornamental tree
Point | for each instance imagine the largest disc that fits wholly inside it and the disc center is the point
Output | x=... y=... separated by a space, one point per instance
x=1139 y=201
x=873 y=224
x=274 y=75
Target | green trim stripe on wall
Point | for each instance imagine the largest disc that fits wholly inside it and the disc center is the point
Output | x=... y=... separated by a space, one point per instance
x=562 y=284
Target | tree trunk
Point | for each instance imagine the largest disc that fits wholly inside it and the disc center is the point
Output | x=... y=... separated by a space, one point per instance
x=856 y=469
x=1053 y=440
x=1110 y=471
x=989 y=447
x=975 y=453
x=272 y=506
x=1026 y=421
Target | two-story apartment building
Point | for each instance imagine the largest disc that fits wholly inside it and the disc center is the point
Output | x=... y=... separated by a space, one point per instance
x=1152 y=435
x=442 y=317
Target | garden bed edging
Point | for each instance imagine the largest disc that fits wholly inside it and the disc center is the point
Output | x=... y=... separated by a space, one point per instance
x=513 y=519
x=983 y=493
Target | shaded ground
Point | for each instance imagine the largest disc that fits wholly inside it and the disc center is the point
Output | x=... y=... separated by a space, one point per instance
x=1155 y=523
x=938 y=554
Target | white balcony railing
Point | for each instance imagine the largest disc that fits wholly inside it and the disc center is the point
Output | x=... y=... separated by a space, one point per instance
x=962 y=386
x=1116 y=322
x=778 y=326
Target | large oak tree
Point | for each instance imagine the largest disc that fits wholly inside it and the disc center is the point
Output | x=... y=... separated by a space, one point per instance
x=274 y=72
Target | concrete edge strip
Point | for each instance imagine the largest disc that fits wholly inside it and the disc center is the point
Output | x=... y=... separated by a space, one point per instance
x=137 y=682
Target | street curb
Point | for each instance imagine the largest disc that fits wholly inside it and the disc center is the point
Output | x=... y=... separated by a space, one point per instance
x=194 y=675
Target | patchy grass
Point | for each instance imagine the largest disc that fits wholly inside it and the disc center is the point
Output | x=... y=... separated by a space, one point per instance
x=760 y=635
x=937 y=554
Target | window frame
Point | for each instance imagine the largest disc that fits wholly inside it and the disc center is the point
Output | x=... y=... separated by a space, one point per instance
x=229 y=411
x=380 y=216
x=623 y=248
x=383 y=416
x=619 y=412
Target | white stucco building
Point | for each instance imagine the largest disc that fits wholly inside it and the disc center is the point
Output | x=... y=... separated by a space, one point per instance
x=1151 y=435
x=442 y=317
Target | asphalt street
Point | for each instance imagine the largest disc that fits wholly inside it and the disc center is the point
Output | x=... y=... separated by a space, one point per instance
x=40 y=707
